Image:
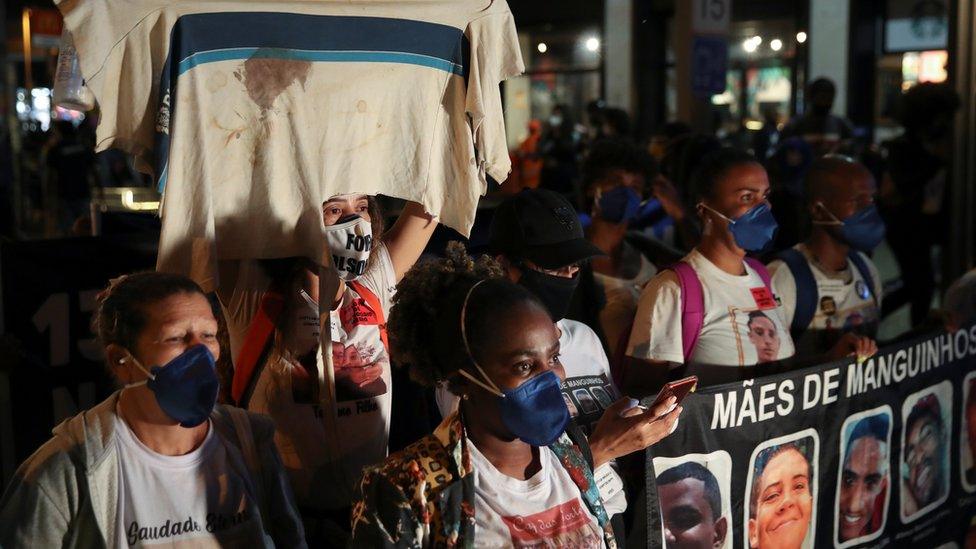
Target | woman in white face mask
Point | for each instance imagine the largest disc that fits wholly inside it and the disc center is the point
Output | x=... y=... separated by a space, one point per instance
x=157 y=463
x=273 y=313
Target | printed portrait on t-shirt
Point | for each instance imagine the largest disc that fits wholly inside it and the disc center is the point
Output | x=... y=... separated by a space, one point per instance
x=587 y=396
x=863 y=477
x=693 y=491
x=359 y=355
x=924 y=470
x=355 y=376
x=967 y=434
x=764 y=336
x=781 y=493
x=569 y=404
x=586 y=402
x=601 y=396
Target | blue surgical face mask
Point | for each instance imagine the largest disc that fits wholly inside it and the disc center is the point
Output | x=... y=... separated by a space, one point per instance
x=535 y=411
x=862 y=231
x=186 y=387
x=753 y=230
x=619 y=205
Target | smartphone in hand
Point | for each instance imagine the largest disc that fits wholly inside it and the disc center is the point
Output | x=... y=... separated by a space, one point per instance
x=678 y=389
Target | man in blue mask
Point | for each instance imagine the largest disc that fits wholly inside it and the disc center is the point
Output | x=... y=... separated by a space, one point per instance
x=829 y=285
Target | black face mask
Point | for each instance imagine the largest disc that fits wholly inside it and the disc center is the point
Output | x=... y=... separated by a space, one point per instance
x=820 y=110
x=555 y=292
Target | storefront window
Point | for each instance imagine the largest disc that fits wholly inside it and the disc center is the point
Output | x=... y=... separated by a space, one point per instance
x=562 y=68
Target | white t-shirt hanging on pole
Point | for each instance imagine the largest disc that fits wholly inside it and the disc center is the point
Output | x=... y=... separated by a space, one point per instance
x=250 y=114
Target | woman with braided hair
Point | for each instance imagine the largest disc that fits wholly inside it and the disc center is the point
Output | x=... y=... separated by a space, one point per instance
x=508 y=468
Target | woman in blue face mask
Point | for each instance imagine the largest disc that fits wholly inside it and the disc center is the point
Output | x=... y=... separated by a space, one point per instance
x=509 y=458
x=158 y=461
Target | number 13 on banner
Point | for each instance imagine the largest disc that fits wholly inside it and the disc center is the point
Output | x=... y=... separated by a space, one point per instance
x=54 y=317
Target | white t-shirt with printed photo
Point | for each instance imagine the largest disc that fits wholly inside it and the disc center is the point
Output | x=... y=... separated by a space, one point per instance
x=546 y=510
x=740 y=327
x=845 y=302
x=196 y=500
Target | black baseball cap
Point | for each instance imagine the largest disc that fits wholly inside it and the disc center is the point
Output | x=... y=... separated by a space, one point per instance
x=540 y=226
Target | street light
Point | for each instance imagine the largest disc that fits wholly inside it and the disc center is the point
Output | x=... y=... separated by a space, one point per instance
x=592 y=43
x=542 y=47
x=801 y=37
x=776 y=44
x=750 y=44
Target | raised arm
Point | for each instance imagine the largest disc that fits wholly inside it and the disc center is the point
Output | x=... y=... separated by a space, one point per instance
x=408 y=237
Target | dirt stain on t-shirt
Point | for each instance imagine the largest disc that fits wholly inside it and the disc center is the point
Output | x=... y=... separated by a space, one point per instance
x=266 y=78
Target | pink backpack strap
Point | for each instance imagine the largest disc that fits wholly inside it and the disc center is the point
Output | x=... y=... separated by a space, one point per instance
x=761 y=270
x=692 y=306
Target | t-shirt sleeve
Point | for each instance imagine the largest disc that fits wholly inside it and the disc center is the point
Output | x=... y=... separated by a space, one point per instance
x=380 y=278
x=784 y=287
x=657 y=325
x=494 y=57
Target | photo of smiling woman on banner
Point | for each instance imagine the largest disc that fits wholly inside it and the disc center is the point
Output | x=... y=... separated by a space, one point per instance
x=782 y=496
x=863 y=477
x=926 y=424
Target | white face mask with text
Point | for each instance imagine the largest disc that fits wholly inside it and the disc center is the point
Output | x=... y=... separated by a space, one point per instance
x=350 y=241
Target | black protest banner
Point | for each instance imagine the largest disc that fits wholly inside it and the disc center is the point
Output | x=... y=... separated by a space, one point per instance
x=50 y=364
x=877 y=453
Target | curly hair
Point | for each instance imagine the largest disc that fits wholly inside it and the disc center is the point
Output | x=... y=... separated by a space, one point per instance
x=424 y=324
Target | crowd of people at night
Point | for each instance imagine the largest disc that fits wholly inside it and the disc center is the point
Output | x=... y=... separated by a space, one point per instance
x=499 y=379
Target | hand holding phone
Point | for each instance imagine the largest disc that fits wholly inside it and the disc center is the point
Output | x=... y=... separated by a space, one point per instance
x=678 y=389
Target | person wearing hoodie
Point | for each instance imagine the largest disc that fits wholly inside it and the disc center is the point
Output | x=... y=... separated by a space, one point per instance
x=157 y=462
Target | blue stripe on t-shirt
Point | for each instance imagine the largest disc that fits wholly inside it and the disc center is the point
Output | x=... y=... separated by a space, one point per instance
x=201 y=38
x=319 y=56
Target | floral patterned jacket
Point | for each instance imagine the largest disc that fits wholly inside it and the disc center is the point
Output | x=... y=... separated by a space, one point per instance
x=423 y=496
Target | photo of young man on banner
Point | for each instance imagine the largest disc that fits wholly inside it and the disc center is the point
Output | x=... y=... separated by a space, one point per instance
x=863 y=477
x=694 y=494
x=781 y=504
x=967 y=434
x=926 y=425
